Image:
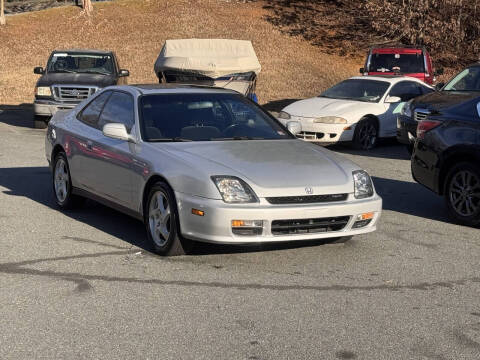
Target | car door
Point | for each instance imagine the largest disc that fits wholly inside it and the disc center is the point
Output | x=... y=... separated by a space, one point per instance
x=405 y=90
x=113 y=160
x=79 y=146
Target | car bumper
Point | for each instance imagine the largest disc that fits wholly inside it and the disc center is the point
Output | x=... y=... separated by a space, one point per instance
x=48 y=108
x=406 y=130
x=216 y=224
x=327 y=133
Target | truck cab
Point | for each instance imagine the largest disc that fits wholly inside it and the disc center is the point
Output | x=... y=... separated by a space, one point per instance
x=70 y=77
x=403 y=61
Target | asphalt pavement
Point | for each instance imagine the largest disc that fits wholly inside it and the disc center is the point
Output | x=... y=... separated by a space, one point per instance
x=84 y=285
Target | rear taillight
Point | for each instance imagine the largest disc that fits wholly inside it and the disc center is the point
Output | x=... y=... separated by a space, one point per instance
x=425 y=126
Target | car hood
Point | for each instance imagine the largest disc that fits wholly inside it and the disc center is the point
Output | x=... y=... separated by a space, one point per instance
x=440 y=101
x=318 y=106
x=272 y=167
x=76 y=79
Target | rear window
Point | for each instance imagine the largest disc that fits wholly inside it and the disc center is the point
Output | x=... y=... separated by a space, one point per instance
x=402 y=63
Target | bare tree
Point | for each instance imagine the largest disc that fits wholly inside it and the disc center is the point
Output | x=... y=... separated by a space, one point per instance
x=87 y=6
x=2 y=12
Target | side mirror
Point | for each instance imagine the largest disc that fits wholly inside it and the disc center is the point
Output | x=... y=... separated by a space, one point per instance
x=439 y=86
x=438 y=72
x=123 y=72
x=393 y=99
x=294 y=127
x=362 y=70
x=39 y=70
x=117 y=131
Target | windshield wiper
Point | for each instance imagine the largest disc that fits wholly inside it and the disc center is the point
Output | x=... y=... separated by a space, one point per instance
x=175 y=139
x=64 y=71
x=237 y=138
x=94 y=72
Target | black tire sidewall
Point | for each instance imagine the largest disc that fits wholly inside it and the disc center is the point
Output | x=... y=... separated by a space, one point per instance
x=174 y=223
x=362 y=123
x=473 y=220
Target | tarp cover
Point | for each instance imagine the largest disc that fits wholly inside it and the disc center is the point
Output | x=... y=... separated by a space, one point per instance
x=209 y=57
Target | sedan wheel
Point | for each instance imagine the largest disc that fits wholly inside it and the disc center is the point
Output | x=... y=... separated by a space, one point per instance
x=62 y=183
x=463 y=194
x=162 y=224
x=366 y=134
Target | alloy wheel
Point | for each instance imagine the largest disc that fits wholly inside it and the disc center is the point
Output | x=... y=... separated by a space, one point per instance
x=159 y=218
x=367 y=135
x=464 y=193
x=61 y=180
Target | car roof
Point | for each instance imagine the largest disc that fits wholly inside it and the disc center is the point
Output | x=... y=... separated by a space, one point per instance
x=392 y=79
x=84 y=51
x=175 y=88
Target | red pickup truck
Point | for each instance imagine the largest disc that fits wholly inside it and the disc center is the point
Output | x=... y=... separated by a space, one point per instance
x=411 y=61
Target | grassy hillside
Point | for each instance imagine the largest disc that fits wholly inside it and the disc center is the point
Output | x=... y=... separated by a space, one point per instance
x=136 y=29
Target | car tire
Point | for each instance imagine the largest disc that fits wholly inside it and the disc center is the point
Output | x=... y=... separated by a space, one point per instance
x=342 y=240
x=40 y=122
x=462 y=194
x=366 y=134
x=162 y=222
x=62 y=184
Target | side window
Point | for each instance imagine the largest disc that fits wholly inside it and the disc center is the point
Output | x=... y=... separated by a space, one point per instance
x=91 y=112
x=406 y=90
x=119 y=109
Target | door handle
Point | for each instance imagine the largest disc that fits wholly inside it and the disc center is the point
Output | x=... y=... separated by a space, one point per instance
x=89 y=145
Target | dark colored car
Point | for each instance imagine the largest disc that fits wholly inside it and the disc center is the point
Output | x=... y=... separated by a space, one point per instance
x=446 y=156
x=461 y=89
x=70 y=77
x=402 y=60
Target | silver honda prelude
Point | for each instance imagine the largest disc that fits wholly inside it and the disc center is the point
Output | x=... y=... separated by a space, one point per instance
x=205 y=164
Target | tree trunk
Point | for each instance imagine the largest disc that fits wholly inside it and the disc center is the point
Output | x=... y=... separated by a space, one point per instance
x=2 y=12
x=87 y=6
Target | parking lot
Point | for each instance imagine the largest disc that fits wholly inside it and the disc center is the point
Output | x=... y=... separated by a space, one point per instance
x=84 y=284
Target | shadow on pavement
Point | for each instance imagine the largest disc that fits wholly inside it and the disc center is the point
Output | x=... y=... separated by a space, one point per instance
x=17 y=115
x=386 y=149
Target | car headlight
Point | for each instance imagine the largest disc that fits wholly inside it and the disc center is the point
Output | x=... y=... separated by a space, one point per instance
x=407 y=109
x=284 y=115
x=43 y=91
x=363 y=185
x=234 y=190
x=330 y=120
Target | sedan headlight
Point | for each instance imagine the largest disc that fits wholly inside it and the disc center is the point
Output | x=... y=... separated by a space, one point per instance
x=234 y=190
x=363 y=185
x=407 y=109
x=330 y=120
x=284 y=115
x=43 y=91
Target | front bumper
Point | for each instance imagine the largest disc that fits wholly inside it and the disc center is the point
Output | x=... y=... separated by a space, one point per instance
x=326 y=133
x=48 y=108
x=215 y=225
x=406 y=130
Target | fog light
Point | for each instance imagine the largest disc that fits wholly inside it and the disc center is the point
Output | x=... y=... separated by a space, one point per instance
x=247 y=227
x=363 y=220
x=365 y=216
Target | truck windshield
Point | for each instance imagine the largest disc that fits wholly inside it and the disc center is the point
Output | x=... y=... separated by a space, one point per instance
x=467 y=80
x=358 y=90
x=80 y=63
x=402 y=63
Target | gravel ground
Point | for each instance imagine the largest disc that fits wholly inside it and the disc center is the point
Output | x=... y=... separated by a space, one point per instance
x=84 y=285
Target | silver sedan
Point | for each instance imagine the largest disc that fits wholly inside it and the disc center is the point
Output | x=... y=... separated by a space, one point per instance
x=205 y=164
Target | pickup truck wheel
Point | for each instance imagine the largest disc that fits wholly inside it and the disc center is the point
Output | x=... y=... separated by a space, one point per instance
x=462 y=193
x=62 y=184
x=366 y=134
x=162 y=222
x=40 y=122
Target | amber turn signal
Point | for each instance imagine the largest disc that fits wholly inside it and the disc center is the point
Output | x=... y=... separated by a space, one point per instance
x=198 y=212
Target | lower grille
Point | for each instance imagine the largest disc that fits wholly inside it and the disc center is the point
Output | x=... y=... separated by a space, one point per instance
x=309 y=226
x=308 y=135
x=309 y=199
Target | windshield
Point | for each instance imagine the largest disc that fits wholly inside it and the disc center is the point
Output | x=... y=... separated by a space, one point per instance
x=358 y=90
x=402 y=63
x=205 y=117
x=80 y=63
x=467 y=80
